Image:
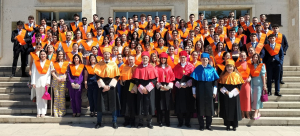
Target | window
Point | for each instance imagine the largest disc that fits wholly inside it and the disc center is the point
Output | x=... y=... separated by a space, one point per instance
x=67 y=16
x=153 y=13
x=221 y=13
x=274 y=18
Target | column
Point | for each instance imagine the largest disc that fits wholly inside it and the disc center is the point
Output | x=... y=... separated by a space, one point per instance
x=88 y=9
x=191 y=7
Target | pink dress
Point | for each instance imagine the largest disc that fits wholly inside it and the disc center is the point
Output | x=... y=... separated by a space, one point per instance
x=245 y=98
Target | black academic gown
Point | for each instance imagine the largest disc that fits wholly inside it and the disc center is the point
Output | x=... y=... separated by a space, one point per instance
x=163 y=99
x=128 y=100
x=184 y=100
x=204 y=98
x=146 y=102
x=109 y=100
x=230 y=109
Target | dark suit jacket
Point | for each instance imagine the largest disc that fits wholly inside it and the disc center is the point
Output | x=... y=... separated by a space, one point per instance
x=17 y=45
x=106 y=29
x=268 y=59
x=242 y=48
x=284 y=44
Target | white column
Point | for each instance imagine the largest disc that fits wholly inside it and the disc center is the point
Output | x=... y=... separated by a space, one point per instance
x=191 y=8
x=88 y=9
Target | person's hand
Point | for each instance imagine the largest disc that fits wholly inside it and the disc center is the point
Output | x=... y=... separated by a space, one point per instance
x=33 y=86
x=29 y=72
x=73 y=85
x=15 y=38
x=47 y=85
x=265 y=87
x=121 y=83
x=226 y=92
x=183 y=86
x=249 y=79
x=132 y=91
x=105 y=88
x=86 y=86
x=77 y=85
x=145 y=91
x=194 y=95
x=214 y=96
x=162 y=88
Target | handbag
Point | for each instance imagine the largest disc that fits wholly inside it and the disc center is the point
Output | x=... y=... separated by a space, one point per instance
x=264 y=96
x=46 y=95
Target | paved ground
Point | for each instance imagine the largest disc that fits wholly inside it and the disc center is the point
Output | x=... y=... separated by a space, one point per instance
x=88 y=130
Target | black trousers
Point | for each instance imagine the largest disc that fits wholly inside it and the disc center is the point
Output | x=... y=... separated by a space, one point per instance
x=130 y=118
x=234 y=124
x=201 y=121
x=160 y=116
x=24 y=59
x=187 y=117
x=273 y=71
x=141 y=118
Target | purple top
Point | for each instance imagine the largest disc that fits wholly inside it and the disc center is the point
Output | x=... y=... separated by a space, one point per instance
x=74 y=79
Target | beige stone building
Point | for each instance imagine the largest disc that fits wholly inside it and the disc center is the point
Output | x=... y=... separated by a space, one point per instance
x=284 y=12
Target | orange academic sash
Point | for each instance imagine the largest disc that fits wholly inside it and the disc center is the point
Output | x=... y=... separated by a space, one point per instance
x=245 y=73
x=279 y=38
x=189 y=25
x=262 y=38
x=62 y=69
x=53 y=59
x=66 y=48
x=90 y=69
x=43 y=70
x=29 y=29
x=63 y=36
x=87 y=47
x=258 y=48
x=256 y=72
x=74 y=71
x=229 y=44
x=20 y=37
x=218 y=58
x=250 y=28
x=243 y=24
x=271 y=51
x=162 y=33
x=34 y=55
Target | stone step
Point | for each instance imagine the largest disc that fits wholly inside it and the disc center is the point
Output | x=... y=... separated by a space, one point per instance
x=14 y=96
x=290 y=98
x=281 y=105
x=14 y=79
x=291 y=73
x=15 y=103
x=288 y=90
x=13 y=84
x=14 y=90
x=291 y=79
x=280 y=112
x=288 y=85
x=263 y=121
x=291 y=68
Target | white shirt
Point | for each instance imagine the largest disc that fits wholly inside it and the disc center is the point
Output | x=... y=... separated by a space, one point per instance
x=183 y=64
x=232 y=39
x=40 y=80
x=106 y=61
x=163 y=66
x=99 y=37
x=145 y=65
x=76 y=23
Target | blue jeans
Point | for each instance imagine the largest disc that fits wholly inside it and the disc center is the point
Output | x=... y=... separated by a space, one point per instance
x=114 y=117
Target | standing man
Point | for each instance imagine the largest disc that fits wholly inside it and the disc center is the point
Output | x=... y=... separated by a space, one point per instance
x=145 y=76
x=273 y=60
x=74 y=25
x=107 y=72
x=110 y=24
x=192 y=23
x=30 y=26
x=280 y=39
x=205 y=90
x=20 y=39
x=84 y=28
x=200 y=20
x=93 y=24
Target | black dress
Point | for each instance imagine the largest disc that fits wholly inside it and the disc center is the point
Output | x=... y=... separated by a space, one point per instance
x=145 y=102
x=128 y=100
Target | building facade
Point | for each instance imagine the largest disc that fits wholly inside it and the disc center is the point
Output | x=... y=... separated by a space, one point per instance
x=284 y=12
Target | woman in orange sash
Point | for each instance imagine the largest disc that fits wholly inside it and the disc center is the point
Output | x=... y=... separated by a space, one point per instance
x=58 y=71
x=40 y=80
x=78 y=40
x=34 y=56
x=74 y=51
x=105 y=44
x=154 y=60
x=188 y=51
x=51 y=55
x=209 y=50
x=229 y=85
x=118 y=45
x=138 y=57
x=177 y=49
x=95 y=52
x=125 y=54
x=218 y=53
x=221 y=67
x=148 y=30
x=241 y=34
x=161 y=46
x=258 y=84
x=132 y=47
x=244 y=68
x=90 y=83
x=235 y=52
x=194 y=60
x=155 y=40
x=173 y=59
x=147 y=40
x=198 y=48
x=75 y=75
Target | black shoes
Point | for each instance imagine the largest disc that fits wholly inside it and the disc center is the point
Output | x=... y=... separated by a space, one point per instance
x=188 y=125
x=115 y=125
x=179 y=125
x=12 y=75
x=160 y=124
x=209 y=128
x=150 y=125
x=168 y=124
x=132 y=124
x=98 y=125
x=234 y=129
x=281 y=82
x=228 y=128
x=278 y=94
x=201 y=128
x=269 y=93
x=139 y=125
x=126 y=123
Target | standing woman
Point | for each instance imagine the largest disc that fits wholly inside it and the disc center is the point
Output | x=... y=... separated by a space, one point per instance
x=182 y=29
x=161 y=46
x=155 y=39
x=229 y=85
x=132 y=47
x=105 y=44
x=218 y=53
x=125 y=54
x=164 y=86
x=75 y=76
x=241 y=34
x=51 y=55
x=258 y=84
x=149 y=31
x=235 y=52
x=118 y=44
x=198 y=48
x=59 y=84
x=209 y=50
x=40 y=79
x=138 y=55
x=154 y=60
x=78 y=40
x=244 y=69
x=90 y=83
x=184 y=101
x=95 y=52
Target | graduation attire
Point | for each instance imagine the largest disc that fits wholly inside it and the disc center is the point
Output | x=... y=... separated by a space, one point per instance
x=145 y=75
x=230 y=109
x=204 y=82
x=107 y=73
x=128 y=99
x=184 y=101
x=163 y=98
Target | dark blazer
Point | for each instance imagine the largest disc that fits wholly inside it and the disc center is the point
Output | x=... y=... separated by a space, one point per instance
x=268 y=59
x=17 y=45
x=242 y=48
x=284 y=44
x=106 y=29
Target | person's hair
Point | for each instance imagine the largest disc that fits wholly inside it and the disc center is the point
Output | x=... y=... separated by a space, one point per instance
x=258 y=56
x=201 y=49
x=200 y=13
x=76 y=55
x=232 y=29
x=275 y=25
x=138 y=44
x=101 y=18
x=271 y=35
x=20 y=23
x=241 y=27
x=117 y=40
x=144 y=39
x=247 y=14
x=192 y=15
x=123 y=52
x=41 y=53
x=38 y=35
x=236 y=45
x=154 y=39
x=224 y=54
x=186 y=44
x=132 y=42
x=242 y=52
x=83 y=18
x=95 y=15
x=136 y=37
x=49 y=45
x=43 y=19
x=93 y=55
x=234 y=70
x=64 y=54
x=76 y=34
x=142 y=15
x=254 y=18
x=105 y=37
x=95 y=47
x=99 y=28
x=163 y=40
x=252 y=34
x=213 y=17
x=76 y=15
x=160 y=62
x=149 y=26
x=217 y=47
x=210 y=51
x=258 y=25
x=182 y=21
x=150 y=59
x=54 y=20
x=31 y=16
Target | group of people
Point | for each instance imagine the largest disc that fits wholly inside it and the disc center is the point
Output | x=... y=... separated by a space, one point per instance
x=140 y=68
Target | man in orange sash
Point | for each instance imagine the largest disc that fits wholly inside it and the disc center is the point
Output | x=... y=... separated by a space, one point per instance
x=93 y=24
x=143 y=23
x=232 y=39
x=200 y=19
x=110 y=24
x=209 y=38
x=20 y=39
x=107 y=73
x=192 y=23
x=259 y=47
x=263 y=18
x=280 y=39
x=266 y=29
x=84 y=28
x=274 y=61
x=251 y=27
x=30 y=26
x=74 y=25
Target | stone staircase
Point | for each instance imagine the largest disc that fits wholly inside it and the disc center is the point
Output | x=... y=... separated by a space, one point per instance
x=16 y=107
